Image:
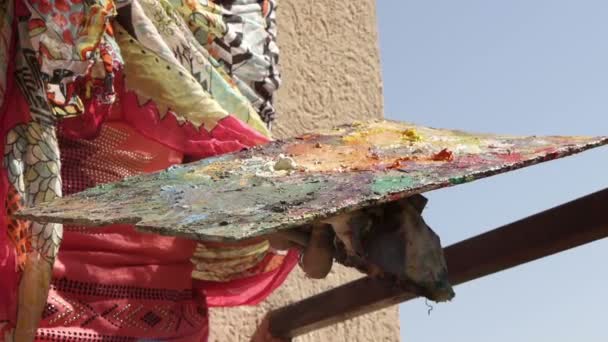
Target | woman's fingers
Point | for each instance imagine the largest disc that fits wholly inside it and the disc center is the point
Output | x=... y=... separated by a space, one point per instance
x=318 y=255
x=317 y=248
x=287 y=239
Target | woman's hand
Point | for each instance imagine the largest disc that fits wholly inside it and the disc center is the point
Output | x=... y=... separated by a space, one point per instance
x=316 y=246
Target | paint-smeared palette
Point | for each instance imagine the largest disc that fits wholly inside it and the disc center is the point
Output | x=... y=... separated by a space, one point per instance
x=290 y=183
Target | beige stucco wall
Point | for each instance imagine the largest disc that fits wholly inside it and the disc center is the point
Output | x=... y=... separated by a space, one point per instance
x=331 y=73
x=329 y=62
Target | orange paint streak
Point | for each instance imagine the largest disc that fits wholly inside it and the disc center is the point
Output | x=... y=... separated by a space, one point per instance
x=360 y=150
x=313 y=156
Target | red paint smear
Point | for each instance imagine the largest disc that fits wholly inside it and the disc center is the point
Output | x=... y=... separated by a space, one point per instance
x=398 y=163
x=511 y=157
x=471 y=159
x=545 y=150
x=443 y=155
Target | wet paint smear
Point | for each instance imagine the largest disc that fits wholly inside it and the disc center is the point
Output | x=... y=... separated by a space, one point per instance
x=286 y=184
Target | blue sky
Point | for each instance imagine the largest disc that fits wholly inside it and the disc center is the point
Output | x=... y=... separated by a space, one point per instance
x=517 y=67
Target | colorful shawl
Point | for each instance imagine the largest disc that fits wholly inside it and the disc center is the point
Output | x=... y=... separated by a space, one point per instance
x=92 y=91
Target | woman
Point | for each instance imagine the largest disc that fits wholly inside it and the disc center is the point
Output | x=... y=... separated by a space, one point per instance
x=92 y=91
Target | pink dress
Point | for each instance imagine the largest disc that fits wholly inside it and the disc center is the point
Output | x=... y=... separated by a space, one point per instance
x=121 y=106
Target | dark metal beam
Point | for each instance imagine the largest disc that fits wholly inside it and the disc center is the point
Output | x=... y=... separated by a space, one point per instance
x=564 y=227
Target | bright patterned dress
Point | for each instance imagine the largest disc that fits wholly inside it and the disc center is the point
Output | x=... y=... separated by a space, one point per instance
x=92 y=91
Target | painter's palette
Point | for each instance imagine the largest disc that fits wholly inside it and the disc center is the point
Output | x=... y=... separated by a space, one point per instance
x=262 y=190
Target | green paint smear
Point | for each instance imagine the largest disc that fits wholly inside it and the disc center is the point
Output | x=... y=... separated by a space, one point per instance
x=390 y=184
x=461 y=180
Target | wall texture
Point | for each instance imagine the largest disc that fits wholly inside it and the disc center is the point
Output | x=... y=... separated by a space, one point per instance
x=330 y=64
x=331 y=73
